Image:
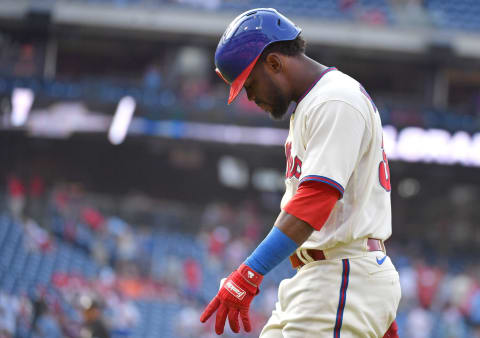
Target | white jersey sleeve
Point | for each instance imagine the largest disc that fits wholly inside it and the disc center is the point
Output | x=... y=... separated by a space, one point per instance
x=333 y=138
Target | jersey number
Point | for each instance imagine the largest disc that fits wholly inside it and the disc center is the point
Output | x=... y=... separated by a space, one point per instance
x=384 y=172
x=383 y=169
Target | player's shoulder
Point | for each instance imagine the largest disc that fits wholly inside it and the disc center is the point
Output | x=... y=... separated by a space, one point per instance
x=338 y=86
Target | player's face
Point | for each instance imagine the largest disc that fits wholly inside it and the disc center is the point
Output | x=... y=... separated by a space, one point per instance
x=266 y=94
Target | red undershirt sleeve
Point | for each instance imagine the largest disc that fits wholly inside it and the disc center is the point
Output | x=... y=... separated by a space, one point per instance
x=313 y=202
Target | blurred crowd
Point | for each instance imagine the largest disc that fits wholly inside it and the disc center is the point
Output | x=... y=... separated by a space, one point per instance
x=176 y=81
x=135 y=264
x=439 y=298
x=171 y=91
x=367 y=11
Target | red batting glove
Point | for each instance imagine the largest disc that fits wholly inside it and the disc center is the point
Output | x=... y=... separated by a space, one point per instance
x=234 y=298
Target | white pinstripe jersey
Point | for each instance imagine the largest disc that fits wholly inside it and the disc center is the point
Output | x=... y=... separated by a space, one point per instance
x=335 y=137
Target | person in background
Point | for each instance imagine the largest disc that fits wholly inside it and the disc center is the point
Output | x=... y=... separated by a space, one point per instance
x=16 y=196
x=94 y=325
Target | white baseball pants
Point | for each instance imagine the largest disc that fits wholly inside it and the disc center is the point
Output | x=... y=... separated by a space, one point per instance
x=352 y=294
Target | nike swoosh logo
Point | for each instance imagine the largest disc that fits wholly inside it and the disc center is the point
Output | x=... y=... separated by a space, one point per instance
x=380 y=261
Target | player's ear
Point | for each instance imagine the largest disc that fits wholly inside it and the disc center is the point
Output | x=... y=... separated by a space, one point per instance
x=273 y=63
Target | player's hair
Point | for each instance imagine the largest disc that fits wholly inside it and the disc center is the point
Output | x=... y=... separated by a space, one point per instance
x=290 y=48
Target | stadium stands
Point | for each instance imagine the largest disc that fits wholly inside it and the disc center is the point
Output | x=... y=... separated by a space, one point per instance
x=181 y=273
x=25 y=271
x=456 y=15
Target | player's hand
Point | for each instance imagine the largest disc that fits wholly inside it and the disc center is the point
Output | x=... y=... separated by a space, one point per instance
x=233 y=299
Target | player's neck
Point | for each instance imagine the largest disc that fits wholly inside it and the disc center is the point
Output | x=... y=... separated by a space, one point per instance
x=306 y=72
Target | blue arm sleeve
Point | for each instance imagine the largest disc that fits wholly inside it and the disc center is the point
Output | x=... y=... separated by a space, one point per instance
x=274 y=249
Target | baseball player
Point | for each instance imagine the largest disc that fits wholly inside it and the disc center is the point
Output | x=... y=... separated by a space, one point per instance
x=335 y=214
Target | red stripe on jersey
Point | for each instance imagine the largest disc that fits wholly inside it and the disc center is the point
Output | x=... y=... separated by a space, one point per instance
x=313 y=202
x=324 y=179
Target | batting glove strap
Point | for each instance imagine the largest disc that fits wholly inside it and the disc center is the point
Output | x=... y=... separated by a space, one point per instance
x=250 y=275
x=238 y=290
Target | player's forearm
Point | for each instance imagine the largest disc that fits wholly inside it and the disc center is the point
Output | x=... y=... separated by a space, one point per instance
x=271 y=251
x=307 y=211
x=286 y=236
x=293 y=227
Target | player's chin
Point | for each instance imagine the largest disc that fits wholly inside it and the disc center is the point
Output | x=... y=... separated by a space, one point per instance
x=277 y=114
x=274 y=113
